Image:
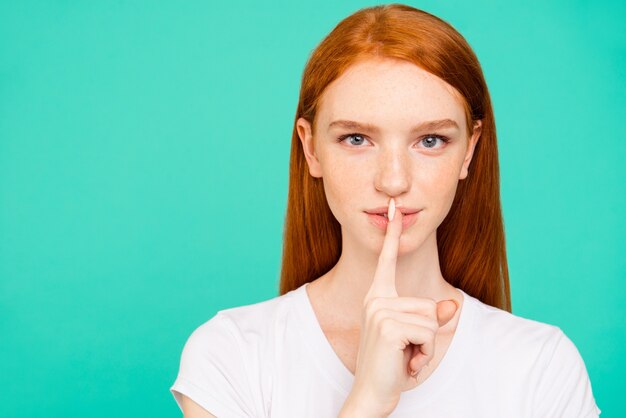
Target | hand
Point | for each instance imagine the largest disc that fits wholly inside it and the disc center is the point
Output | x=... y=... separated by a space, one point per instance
x=397 y=333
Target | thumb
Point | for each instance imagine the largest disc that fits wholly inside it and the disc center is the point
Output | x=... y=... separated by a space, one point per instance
x=446 y=310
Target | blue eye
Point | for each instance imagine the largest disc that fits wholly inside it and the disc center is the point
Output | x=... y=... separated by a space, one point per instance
x=431 y=143
x=354 y=135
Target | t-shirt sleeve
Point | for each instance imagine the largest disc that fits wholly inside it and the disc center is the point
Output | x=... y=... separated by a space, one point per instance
x=213 y=372
x=565 y=389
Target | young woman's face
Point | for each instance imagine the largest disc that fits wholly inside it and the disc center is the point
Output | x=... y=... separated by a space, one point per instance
x=363 y=166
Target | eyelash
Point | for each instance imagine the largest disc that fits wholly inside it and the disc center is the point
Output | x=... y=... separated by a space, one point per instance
x=444 y=139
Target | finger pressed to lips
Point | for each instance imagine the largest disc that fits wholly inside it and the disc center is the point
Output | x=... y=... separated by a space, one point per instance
x=384 y=283
x=389 y=252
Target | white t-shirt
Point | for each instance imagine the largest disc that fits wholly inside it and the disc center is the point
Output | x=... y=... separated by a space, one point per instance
x=272 y=359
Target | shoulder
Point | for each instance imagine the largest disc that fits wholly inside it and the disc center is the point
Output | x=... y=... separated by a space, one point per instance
x=248 y=327
x=564 y=386
x=510 y=344
x=226 y=362
x=536 y=354
x=260 y=319
x=507 y=329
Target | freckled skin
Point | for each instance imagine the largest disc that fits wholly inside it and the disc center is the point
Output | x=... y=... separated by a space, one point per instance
x=360 y=174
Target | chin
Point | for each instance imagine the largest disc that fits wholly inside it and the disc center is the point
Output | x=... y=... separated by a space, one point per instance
x=413 y=240
x=407 y=246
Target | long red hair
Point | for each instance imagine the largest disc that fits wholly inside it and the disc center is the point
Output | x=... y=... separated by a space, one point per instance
x=470 y=239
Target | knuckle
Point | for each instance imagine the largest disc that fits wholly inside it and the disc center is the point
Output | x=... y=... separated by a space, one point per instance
x=372 y=306
x=386 y=328
x=431 y=307
x=379 y=316
x=431 y=351
x=432 y=325
x=431 y=334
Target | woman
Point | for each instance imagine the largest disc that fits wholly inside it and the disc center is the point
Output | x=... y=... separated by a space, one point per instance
x=395 y=296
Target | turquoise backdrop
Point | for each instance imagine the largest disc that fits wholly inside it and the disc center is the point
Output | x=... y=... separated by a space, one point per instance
x=144 y=154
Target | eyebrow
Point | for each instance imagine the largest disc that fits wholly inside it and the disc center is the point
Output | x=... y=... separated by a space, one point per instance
x=431 y=124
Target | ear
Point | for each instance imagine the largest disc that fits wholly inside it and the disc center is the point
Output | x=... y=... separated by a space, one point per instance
x=470 y=149
x=306 y=137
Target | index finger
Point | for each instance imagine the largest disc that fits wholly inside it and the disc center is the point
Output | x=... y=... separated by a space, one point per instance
x=384 y=282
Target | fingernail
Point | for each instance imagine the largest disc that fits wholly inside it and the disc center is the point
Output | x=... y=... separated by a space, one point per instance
x=391 y=210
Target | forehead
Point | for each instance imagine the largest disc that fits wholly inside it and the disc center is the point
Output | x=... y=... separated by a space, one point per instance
x=388 y=92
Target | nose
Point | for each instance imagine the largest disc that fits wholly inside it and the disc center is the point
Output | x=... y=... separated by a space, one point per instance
x=393 y=176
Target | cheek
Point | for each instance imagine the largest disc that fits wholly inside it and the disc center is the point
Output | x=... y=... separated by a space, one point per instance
x=439 y=184
x=345 y=184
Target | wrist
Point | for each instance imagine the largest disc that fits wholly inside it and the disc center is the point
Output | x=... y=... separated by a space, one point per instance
x=354 y=408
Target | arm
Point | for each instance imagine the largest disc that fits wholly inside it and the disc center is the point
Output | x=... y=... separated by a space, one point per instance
x=350 y=412
x=193 y=410
x=352 y=408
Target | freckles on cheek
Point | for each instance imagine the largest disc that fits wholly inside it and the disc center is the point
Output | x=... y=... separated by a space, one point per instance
x=438 y=181
x=343 y=185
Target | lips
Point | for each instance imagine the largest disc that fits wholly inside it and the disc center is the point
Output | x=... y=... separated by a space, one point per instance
x=382 y=210
x=380 y=220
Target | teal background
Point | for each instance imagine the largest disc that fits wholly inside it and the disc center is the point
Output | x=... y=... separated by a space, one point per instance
x=144 y=154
